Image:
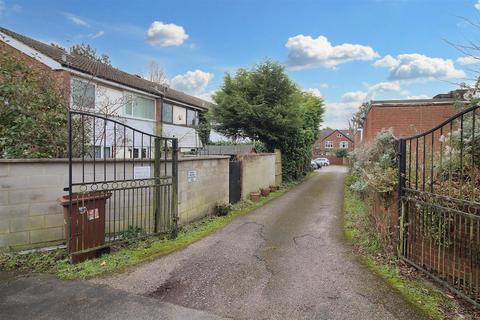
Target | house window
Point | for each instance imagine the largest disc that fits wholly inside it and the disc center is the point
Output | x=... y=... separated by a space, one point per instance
x=140 y=107
x=167 y=113
x=344 y=144
x=106 y=152
x=83 y=94
x=339 y=135
x=328 y=144
x=135 y=153
x=179 y=115
x=192 y=117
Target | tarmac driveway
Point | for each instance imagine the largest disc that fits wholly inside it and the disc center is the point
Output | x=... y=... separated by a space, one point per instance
x=286 y=260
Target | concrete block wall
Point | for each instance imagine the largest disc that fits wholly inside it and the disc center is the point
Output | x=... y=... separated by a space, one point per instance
x=258 y=171
x=31 y=217
x=198 y=195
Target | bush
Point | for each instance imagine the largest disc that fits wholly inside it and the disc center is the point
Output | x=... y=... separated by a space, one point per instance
x=33 y=112
x=374 y=166
x=340 y=153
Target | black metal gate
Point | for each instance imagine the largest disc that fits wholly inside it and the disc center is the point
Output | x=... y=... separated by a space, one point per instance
x=235 y=182
x=439 y=209
x=122 y=183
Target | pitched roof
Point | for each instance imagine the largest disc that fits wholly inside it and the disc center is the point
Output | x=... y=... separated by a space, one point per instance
x=104 y=71
x=327 y=132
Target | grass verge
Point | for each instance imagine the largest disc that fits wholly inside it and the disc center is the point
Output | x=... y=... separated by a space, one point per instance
x=423 y=295
x=129 y=254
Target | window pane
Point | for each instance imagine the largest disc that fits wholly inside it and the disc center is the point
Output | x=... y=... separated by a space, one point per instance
x=179 y=115
x=191 y=117
x=144 y=108
x=106 y=152
x=167 y=113
x=83 y=94
x=129 y=108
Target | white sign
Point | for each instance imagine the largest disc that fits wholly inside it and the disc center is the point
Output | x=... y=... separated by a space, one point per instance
x=192 y=176
x=141 y=173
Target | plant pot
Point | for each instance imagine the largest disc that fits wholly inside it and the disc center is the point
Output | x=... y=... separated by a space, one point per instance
x=265 y=192
x=273 y=188
x=255 y=196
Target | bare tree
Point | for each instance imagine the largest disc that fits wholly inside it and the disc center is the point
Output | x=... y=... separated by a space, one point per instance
x=156 y=73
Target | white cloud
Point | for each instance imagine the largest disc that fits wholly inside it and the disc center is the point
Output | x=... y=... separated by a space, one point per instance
x=355 y=96
x=166 y=34
x=308 y=52
x=468 y=60
x=76 y=20
x=362 y=96
x=385 y=87
x=386 y=62
x=96 y=35
x=477 y=5
x=314 y=91
x=337 y=114
x=207 y=96
x=407 y=67
x=193 y=82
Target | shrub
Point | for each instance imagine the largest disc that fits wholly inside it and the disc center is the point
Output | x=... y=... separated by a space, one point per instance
x=33 y=112
x=374 y=165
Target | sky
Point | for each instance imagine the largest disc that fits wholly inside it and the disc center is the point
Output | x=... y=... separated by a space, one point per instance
x=347 y=52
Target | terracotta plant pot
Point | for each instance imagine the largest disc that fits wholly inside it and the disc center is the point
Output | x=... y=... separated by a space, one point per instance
x=265 y=192
x=273 y=188
x=255 y=196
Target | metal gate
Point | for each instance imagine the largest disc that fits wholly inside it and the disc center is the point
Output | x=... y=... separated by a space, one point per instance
x=235 y=185
x=439 y=211
x=122 y=183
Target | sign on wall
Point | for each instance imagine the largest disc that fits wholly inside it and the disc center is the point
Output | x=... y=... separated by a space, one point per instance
x=192 y=176
x=141 y=172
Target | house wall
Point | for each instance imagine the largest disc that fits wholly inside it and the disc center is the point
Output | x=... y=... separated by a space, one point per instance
x=31 y=217
x=187 y=136
x=258 y=171
x=319 y=146
x=405 y=120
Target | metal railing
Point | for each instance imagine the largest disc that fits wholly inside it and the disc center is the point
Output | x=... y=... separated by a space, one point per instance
x=439 y=192
x=122 y=182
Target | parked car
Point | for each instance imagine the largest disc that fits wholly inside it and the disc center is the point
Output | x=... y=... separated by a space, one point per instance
x=322 y=162
x=314 y=165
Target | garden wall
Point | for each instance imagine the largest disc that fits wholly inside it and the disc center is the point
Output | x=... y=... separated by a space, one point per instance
x=258 y=171
x=31 y=217
x=384 y=216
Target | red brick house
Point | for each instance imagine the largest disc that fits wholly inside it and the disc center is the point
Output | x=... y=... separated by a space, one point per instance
x=332 y=139
x=407 y=117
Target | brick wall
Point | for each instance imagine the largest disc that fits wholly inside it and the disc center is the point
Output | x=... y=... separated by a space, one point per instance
x=319 y=146
x=405 y=120
x=31 y=217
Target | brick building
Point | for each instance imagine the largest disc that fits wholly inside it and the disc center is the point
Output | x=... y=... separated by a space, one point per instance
x=332 y=139
x=407 y=117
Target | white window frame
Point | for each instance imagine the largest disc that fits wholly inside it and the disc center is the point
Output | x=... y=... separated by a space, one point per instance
x=343 y=144
x=133 y=96
x=328 y=144
x=339 y=135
